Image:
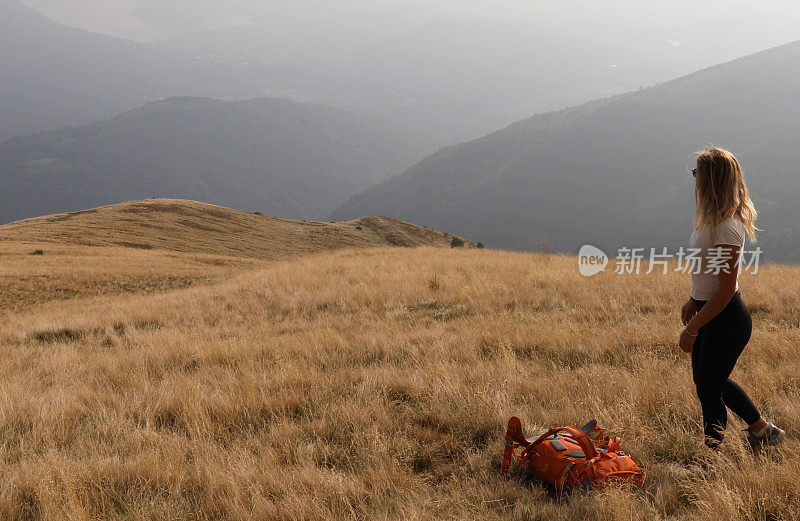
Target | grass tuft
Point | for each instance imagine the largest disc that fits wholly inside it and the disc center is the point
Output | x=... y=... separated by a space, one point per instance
x=51 y=336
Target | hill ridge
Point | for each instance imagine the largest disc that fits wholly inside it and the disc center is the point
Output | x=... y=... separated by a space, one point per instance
x=196 y=227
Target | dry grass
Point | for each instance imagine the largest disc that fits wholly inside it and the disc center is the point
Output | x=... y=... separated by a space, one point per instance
x=65 y=272
x=376 y=384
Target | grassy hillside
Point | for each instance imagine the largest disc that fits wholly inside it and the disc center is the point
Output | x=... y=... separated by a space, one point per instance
x=194 y=227
x=614 y=162
x=269 y=155
x=161 y=244
x=376 y=384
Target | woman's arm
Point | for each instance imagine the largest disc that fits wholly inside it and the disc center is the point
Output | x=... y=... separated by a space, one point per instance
x=727 y=289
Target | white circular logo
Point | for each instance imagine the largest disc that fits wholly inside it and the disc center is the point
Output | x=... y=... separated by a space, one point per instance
x=591 y=260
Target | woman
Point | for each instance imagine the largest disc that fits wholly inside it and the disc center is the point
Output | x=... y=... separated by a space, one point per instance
x=717 y=322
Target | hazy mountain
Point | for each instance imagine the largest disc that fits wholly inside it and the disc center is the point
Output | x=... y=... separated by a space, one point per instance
x=53 y=75
x=453 y=69
x=425 y=65
x=614 y=172
x=278 y=157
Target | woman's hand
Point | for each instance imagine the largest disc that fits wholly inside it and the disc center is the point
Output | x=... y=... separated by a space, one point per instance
x=686 y=341
x=688 y=311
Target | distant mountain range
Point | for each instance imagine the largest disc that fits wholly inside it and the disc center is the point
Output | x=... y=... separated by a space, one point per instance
x=614 y=172
x=52 y=75
x=274 y=156
x=452 y=79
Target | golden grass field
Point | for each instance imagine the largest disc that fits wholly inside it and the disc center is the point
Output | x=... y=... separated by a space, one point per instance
x=161 y=244
x=370 y=383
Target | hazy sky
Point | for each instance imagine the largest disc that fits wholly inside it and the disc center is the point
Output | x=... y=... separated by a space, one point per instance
x=741 y=25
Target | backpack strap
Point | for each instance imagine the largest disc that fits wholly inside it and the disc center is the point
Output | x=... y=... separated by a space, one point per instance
x=513 y=435
x=590 y=426
x=582 y=439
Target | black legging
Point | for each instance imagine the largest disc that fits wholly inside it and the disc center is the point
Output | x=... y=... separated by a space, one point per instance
x=716 y=349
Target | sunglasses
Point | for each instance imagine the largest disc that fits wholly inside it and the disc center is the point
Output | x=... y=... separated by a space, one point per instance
x=694 y=173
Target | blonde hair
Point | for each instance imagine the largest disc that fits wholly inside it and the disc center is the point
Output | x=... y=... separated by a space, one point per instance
x=721 y=193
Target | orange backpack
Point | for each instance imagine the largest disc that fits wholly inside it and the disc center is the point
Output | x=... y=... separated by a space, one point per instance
x=566 y=457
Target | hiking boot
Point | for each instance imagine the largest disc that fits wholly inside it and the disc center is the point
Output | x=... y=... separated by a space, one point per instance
x=772 y=435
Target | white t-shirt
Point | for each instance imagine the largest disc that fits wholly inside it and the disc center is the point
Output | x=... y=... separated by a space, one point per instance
x=705 y=280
